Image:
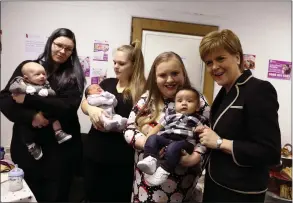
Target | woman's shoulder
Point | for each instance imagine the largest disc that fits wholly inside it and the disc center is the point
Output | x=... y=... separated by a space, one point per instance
x=255 y=86
x=108 y=82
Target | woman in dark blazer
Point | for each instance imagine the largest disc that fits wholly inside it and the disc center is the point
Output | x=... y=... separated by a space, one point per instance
x=244 y=136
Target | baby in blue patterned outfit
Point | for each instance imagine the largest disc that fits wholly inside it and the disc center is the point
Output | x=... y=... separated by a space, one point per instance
x=175 y=132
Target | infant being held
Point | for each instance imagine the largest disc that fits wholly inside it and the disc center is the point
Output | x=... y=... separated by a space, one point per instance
x=96 y=96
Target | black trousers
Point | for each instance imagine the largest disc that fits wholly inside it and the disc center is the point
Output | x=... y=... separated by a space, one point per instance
x=108 y=182
x=217 y=194
x=173 y=151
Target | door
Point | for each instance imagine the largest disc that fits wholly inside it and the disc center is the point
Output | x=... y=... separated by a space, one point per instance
x=158 y=36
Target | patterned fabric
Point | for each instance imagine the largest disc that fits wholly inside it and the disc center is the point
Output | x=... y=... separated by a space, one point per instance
x=182 y=125
x=178 y=187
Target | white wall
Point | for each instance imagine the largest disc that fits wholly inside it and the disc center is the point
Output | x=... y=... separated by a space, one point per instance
x=263 y=27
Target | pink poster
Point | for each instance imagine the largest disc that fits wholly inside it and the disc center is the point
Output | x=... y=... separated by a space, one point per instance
x=280 y=69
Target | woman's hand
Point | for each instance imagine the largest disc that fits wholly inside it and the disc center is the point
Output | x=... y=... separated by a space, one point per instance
x=18 y=98
x=39 y=120
x=208 y=138
x=95 y=115
x=188 y=160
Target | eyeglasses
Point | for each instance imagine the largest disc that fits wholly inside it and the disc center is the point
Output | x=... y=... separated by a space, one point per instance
x=59 y=47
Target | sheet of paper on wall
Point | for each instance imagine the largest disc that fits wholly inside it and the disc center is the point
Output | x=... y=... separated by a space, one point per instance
x=101 y=50
x=98 y=72
x=34 y=46
x=85 y=62
x=280 y=69
x=249 y=62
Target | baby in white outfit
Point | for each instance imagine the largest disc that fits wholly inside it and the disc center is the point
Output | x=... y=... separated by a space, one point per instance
x=96 y=96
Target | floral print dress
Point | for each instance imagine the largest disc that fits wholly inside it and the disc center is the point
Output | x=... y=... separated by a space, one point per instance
x=179 y=185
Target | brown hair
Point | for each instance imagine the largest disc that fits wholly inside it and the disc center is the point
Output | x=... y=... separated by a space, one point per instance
x=221 y=39
x=155 y=96
x=137 y=79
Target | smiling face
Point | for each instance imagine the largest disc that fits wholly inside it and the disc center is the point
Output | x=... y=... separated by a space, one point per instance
x=186 y=102
x=223 y=67
x=169 y=76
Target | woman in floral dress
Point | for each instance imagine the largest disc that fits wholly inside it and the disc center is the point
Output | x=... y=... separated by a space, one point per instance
x=166 y=76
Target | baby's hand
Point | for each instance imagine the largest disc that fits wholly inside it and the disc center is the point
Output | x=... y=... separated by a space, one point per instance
x=199 y=129
x=43 y=92
x=30 y=89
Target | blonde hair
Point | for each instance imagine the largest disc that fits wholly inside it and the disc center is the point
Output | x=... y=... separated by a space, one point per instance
x=152 y=104
x=137 y=79
x=225 y=39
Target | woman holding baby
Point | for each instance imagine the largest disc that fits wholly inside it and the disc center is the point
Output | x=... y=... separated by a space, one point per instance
x=108 y=159
x=49 y=176
x=166 y=76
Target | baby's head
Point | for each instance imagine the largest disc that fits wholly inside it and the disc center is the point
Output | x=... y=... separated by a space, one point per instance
x=34 y=73
x=93 y=89
x=187 y=101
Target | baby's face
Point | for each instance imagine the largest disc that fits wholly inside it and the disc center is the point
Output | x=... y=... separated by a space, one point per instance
x=186 y=102
x=95 y=89
x=36 y=74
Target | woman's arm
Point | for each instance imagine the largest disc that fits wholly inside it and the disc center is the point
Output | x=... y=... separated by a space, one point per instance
x=131 y=134
x=155 y=130
x=14 y=112
x=95 y=114
x=66 y=102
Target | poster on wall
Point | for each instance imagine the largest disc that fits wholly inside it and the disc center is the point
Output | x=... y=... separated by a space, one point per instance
x=98 y=72
x=97 y=80
x=279 y=69
x=85 y=64
x=249 y=61
x=101 y=50
x=34 y=45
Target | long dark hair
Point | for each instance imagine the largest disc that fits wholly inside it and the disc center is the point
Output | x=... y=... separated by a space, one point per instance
x=68 y=73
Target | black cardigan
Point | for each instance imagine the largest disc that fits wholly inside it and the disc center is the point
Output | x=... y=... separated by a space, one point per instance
x=248 y=115
x=63 y=107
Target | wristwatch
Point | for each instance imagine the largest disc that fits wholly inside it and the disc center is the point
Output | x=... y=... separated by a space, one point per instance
x=219 y=142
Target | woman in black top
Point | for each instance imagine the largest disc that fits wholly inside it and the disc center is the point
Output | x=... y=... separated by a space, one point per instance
x=49 y=178
x=108 y=158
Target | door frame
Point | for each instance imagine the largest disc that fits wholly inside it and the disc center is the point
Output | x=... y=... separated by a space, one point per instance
x=139 y=24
